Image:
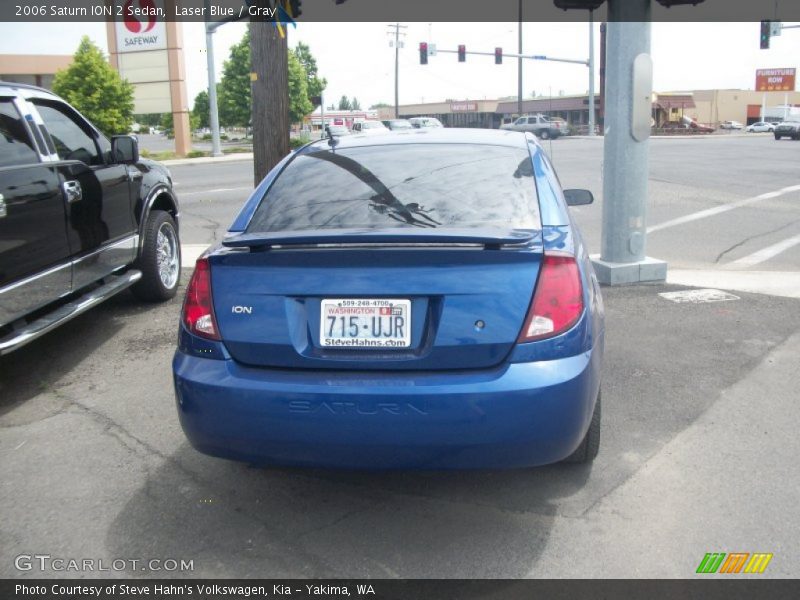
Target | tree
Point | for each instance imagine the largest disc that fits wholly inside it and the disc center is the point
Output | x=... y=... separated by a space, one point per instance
x=150 y=120
x=315 y=84
x=344 y=103
x=200 y=109
x=355 y=104
x=299 y=102
x=92 y=86
x=234 y=88
x=380 y=105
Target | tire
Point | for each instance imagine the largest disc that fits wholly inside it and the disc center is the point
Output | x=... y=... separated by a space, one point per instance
x=590 y=446
x=545 y=135
x=777 y=137
x=160 y=248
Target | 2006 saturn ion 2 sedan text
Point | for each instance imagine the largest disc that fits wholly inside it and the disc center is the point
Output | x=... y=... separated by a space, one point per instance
x=419 y=299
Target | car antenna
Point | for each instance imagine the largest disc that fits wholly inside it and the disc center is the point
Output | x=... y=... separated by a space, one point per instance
x=552 y=158
x=332 y=141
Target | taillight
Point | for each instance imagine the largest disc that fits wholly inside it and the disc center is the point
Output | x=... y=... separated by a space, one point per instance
x=557 y=301
x=198 y=308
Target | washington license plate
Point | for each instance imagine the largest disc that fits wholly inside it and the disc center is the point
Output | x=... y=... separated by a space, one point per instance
x=365 y=323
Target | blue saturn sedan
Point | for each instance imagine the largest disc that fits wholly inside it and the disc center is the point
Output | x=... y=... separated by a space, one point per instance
x=420 y=299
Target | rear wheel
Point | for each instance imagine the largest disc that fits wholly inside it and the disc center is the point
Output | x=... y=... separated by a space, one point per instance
x=160 y=260
x=777 y=137
x=590 y=446
x=545 y=135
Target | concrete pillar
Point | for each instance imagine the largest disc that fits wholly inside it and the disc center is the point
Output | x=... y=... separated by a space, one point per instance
x=177 y=88
x=623 y=257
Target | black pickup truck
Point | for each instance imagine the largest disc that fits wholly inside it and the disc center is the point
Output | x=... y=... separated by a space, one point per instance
x=81 y=217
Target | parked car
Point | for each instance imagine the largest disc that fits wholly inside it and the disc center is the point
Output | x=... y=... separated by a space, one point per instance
x=760 y=127
x=562 y=125
x=788 y=128
x=398 y=124
x=337 y=130
x=383 y=303
x=370 y=127
x=425 y=122
x=82 y=217
x=731 y=125
x=539 y=125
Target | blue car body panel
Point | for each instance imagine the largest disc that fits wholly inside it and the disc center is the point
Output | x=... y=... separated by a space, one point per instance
x=461 y=396
x=515 y=415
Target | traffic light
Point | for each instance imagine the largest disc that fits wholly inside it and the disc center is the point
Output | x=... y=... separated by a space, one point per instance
x=462 y=53
x=765 y=31
x=498 y=56
x=423 y=53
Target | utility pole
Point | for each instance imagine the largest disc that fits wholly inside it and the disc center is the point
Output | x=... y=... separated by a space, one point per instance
x=397 y=33
x=519 y=65
x=629 y=91
x=603 y=28
x=591 y=73
x=269 y=55
x=213 y=109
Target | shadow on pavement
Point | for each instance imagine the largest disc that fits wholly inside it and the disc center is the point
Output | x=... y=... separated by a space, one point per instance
x=54 y=360
x=237 y=521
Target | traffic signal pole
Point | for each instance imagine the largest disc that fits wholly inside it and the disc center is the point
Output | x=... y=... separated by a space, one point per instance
x=213 y=110
x=629 y=87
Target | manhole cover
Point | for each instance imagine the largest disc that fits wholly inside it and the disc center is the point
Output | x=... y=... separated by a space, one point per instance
x=699 y=296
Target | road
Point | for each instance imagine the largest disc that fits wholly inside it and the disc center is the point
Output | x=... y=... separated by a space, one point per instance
x=699 y=444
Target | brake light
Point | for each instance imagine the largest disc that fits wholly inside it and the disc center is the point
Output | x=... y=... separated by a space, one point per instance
x=557 y=300
x=198 y=307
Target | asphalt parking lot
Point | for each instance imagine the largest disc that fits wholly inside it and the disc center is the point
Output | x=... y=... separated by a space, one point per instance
x=698 y=453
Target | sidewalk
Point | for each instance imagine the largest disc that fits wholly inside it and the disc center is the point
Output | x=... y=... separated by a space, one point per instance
x=724 y=484
x=208 y=159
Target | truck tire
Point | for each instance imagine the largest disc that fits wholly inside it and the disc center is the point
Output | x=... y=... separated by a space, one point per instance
x=545 y=135
x=590 y=446
x=777 y=137
x=160 y=259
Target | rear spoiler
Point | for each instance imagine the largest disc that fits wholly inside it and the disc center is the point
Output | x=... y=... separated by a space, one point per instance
x=487 y=237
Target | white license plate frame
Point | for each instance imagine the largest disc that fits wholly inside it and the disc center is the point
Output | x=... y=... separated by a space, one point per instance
x=365 y=323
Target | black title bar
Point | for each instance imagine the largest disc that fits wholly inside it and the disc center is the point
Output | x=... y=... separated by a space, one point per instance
x=732 y=588
x=385 y=10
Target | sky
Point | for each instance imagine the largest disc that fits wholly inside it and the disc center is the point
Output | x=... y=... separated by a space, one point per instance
x=357 y=60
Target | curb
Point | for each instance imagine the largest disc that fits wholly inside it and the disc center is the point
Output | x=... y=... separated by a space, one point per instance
x=202 y=160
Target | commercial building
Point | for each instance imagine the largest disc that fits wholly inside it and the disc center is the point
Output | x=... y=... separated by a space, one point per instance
x=704 y=106
x=32 y=69
x=745 y=106
x=480 y=114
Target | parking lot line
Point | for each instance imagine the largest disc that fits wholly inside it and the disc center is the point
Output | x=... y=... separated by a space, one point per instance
x=190 y=252
x=710 y=212
x=766 y=253
x=216 y=191
x=772 y=283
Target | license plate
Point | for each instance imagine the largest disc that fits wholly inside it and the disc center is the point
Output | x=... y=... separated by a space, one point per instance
x=365 y=323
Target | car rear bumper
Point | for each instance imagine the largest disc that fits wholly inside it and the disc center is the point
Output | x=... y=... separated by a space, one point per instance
x=517 y=415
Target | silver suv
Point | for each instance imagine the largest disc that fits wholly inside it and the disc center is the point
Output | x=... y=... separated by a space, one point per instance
x=539 y=125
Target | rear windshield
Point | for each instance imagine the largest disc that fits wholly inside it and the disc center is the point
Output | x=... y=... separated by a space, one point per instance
x=402 y=185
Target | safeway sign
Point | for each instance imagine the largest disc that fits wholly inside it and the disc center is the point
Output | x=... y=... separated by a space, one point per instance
x=775 y=80
x=143 y=26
